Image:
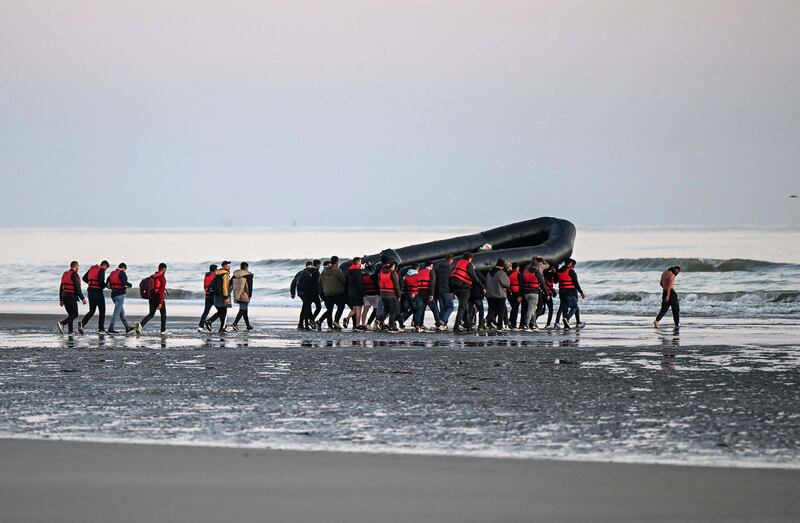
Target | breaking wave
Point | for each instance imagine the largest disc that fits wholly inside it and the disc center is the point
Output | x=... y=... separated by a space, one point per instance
x=687 y=265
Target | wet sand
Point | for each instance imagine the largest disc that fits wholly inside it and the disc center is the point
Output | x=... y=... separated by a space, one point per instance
x=88 y=482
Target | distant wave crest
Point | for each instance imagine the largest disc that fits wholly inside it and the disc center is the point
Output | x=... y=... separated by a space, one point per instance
x=687 y=265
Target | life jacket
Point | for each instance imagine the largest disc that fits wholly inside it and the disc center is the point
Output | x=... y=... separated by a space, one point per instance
x=565 y=280
x=370 y=289
x=207 y=282
x=530 y=283
x=67 y=285
x=114 y=280
x=385 y=282
x=411 y=284
x=549 y=282
x=92 y=277
x=460 y=273
x=513 y=277
x=424 y=280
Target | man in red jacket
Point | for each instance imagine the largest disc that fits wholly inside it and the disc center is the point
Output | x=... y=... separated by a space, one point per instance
x=157 y=300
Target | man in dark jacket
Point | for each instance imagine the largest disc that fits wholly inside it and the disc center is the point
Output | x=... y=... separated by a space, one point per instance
x=463 y=278
x=69 y=291
x=95 y=279
x=442 y=293
x=305 y=285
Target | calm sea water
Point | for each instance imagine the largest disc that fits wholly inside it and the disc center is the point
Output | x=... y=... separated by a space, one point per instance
x=738 y=273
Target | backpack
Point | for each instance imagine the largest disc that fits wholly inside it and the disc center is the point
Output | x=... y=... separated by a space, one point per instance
x=147 y=287
x=216 y=285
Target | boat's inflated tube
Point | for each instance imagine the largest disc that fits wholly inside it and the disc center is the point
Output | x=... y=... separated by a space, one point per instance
x=550 y=238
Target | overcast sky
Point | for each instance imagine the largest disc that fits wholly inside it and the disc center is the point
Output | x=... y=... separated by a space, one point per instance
x=180 y=113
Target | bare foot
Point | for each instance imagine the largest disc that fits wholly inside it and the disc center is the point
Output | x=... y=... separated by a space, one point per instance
x=655 y=324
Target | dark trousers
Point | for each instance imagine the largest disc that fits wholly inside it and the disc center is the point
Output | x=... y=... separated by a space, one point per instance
x=71 y=306
x=463 y=314
x=668 y=302
x=331 y=302
x=423 y=301
x=154 y=301
x=243 y=314
x=317 y=307
x=477 y=312
x=513 y=301
x=206 y=309
x=545 y=301
x=305 y=311
x=496 y=308
x=390 y=310
x=221 y=315
x=407 y=308
x=97 y=302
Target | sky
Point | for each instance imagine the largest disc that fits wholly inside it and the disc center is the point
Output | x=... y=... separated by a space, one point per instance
x=258 y=113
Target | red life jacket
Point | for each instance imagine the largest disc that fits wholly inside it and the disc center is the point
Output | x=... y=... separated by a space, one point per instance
x=424 y=280
x=549 y=283
x=460 y=273
x=114 y=280
x=370 y=289
x=385 y=282
x=565 y=280
x=513 y=277
x=92 y=277
x=207 y=282
x=530 y=283
x=67 y=285
x=411 y=284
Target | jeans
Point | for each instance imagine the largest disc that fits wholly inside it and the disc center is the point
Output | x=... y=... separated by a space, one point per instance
x=531 y=301
x=71 y=306
x=423 y=301
x=407 y=308
x=96 y=302
x=570 y=306
x=206 y=309
x=463 y=315
x=446 y=307
x=668 y=302
x=154 y=301
x=119 y=312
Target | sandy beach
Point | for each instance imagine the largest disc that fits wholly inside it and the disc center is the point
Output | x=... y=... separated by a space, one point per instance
x=88 y=482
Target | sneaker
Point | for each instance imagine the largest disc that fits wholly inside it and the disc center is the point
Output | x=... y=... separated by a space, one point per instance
x=512 y=329
x=566 y=326
x=207 y=326
x=138 y=329
x=439 y=328
x=346 y=322
x=250 y=327
x=581 y=325
x=112 y=331
x=60 y=327
x=101 y=331
x=393 y=330
x=534 y=327
x=235 y=327
x=166 y=333
x=337 y=327
x=80 y=328
x=523 y=329
x=317 y=324
x=201 y=329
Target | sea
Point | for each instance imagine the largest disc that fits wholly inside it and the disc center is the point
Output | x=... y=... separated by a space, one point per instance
x=721 y=390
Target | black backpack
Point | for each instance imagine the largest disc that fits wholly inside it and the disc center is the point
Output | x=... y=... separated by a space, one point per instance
x=216 y=285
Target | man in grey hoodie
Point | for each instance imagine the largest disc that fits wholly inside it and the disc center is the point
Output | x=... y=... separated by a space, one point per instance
x=497 y=285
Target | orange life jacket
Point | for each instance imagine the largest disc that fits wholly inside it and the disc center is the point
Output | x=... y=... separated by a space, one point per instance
x=424 y=280
x=411 y=284
x=115 y=281
x=92 y=277
x=460 y=273
x=67 y=285
x=513 y=277
x=385 y=282
x=530 y=283
x=565 y=280
x=370 y=289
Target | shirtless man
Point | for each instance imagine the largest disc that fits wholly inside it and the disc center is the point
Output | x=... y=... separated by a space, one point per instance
x=669 y=298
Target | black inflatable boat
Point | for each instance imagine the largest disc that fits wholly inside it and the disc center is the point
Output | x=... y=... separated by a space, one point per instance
x=550 y=238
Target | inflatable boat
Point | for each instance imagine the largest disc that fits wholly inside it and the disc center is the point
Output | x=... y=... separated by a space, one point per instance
x=550 y=238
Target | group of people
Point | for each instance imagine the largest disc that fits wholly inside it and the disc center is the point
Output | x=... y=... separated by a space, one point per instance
x=221 y=288
x=382 y=296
